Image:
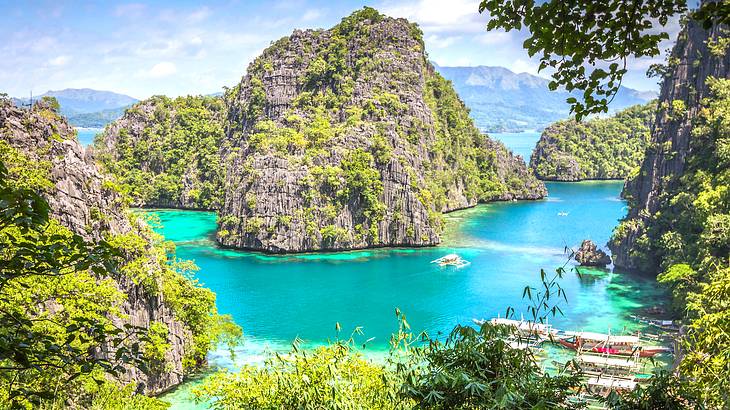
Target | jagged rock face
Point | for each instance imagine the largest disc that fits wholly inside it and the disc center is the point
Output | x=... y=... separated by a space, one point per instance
x=347 y=138
x=81 y=201
x=589 y=255
x=665 y=160
x=167 y=151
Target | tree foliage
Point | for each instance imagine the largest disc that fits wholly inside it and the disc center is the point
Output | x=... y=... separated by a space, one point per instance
x=605 y=148
x=166 y=152
x=54 y=303
x=65 y=338
x=687 y=239
x=585 y=44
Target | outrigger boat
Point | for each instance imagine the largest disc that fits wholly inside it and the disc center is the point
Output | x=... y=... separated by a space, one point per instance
x=603 y=386
x=664 y=325
x=451 y=260
x=525 y=328
x=609 y=344
x=593 y=365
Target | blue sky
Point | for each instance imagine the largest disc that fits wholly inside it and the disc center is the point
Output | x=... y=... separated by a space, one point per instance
x=184 y=47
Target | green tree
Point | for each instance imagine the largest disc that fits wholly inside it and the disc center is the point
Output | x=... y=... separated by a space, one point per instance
x=586 y=43
x=41 y=353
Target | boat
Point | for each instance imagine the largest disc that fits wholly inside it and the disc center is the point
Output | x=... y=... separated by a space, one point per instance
x=524 y=344
x=562 y=214
x=451 y=260
x=671 y=326
x=527 y=328
x=621 y=367
x=609 y=344
x=603 y=386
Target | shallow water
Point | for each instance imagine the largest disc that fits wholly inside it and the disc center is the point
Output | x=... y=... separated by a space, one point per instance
x=86 y=135
x=278 y=298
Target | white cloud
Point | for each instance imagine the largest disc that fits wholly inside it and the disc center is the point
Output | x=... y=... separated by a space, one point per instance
x=494 y=38
x=312 y=14
x=199 y=15
x=130 y=10
x=460 y=16
x=524 y=66
x=437 y=41
x=59 y=61
x=162 y=69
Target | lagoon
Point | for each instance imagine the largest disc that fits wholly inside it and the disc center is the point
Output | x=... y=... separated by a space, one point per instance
x=279 y=298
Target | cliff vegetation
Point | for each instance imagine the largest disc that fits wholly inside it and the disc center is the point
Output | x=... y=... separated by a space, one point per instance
x=165 y=152
x=605 y=148
x=94 y=306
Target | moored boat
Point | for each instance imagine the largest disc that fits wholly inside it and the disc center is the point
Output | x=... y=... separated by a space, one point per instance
x=593 y=365
x=609 y=344
x=603 y=386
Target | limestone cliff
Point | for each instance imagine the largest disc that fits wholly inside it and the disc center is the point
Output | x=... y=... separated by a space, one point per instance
x=83 y=200
x=683 y=89
x=167 y=152
x=601 y=148
x=347 y=138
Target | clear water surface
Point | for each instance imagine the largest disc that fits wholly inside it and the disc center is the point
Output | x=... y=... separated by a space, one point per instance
x=86 y=135
x=279 y=298
x=521 y=143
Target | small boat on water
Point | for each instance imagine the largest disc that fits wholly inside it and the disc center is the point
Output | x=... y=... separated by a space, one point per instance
x=451 y=260
x=671 y=326
x=562 y=214
x=603 y=386
x=609 y=344
x=594 y=365
x=527 y=328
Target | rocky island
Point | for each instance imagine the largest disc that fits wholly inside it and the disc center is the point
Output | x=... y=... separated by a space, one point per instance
x=348 y=138
x=167 y=152
x=589 y=255
x=601 y=148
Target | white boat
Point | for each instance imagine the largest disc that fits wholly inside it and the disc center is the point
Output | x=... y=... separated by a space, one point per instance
x=562 y=214
x=618 y=367
x=526 y=327
x=603 y=386
x=451 y=260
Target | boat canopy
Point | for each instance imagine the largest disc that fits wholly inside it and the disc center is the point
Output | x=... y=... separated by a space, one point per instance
x=605 y=361
x=522 y=324
x=611 y=382
x=602 y=337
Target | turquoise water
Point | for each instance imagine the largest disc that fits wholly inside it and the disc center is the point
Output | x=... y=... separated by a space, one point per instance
x=521 y=143
x=278 y=298
x=86 y=135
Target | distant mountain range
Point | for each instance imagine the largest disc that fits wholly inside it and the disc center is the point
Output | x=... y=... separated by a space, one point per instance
x=499 y=99
x=85 y=107
x=503 y=101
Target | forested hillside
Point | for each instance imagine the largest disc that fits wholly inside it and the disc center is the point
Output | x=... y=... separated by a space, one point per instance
x=167 y=152
x=348 y=138
x=606 y=148
x=87 y=291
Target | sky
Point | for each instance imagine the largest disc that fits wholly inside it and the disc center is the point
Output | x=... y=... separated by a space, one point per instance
x=179 y=47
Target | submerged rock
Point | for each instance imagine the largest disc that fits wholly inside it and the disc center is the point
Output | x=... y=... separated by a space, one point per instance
x=348 y=138
x=589 y=255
